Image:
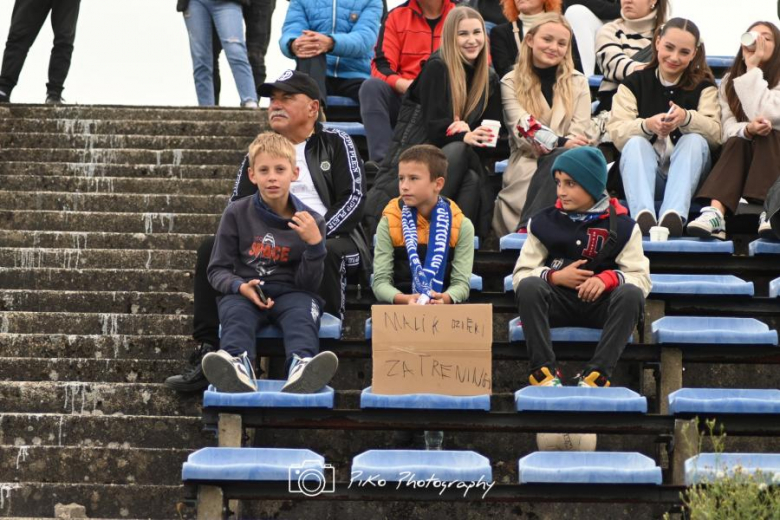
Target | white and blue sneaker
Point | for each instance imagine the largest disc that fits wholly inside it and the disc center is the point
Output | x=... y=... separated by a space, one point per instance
x=228 y=373
x=765 y=228
x=310 y=375
x=710 y=224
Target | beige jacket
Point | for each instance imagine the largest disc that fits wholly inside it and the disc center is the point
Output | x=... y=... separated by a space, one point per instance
x=624 y=122
x=632 y=262
x=757 y=99
x=522 y=161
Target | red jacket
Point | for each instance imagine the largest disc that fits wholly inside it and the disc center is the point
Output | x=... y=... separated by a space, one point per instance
x=405 y=41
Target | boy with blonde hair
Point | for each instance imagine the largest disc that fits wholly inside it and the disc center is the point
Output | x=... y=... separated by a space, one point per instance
x=268 y=256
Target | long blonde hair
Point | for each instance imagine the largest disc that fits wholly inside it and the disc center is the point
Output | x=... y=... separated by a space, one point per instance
x=464 y=101
x=528 y=88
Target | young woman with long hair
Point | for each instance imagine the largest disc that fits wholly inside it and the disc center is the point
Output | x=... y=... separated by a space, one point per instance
x=666 y=119
x=750 y=105
x=544 y=85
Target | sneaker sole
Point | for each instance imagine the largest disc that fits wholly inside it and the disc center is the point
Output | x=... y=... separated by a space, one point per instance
x=701 y=232
x=197 y=386
x=767 y=233
x=221 y=373
x=674 y=224
x=316 y=374
x=645 y=222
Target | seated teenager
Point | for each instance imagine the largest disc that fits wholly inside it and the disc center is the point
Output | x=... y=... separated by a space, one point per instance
x=582 y=265
x=586 y=18
x=666 y=120
x=268 y=255
x=424 y=244
x=545 y=86
x=748 y=165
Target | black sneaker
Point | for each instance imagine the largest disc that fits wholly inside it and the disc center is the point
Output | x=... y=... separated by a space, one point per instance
x=53 y=99
x=193 y=379
x=5 y=97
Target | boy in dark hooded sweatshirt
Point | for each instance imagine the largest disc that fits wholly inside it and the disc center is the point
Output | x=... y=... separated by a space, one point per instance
x=268 y=256
x=582 y=265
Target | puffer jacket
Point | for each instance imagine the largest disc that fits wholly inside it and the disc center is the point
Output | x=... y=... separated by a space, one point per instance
x=353 y=25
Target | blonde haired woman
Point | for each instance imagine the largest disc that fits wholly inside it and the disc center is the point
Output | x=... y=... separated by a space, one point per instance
x=544 y=85
x=445 y=106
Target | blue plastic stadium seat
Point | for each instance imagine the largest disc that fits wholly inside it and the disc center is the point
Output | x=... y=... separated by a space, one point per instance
x=475 y=282
x=595 y=467
x=330 y=328
x=720 y=62
x=595 y=81
x=269 y=395
x=764 y=247
x=368 y=399
x=512 y=241
x=249 y=464
x=351 y=129
x=709 y=330
x=341 y=101
x=445 y=465
x=774 y=288
x=723 y=400
x=708 y=467
x=508 y=283
x=501 y=166
x=574 y=399
x=688 y=245
x=567 y=334
x=700 y=284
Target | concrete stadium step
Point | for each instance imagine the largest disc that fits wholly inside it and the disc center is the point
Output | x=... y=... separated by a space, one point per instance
x=82 y=112
x=108 y=222
x=127 y=302
x=88 y=370
x=31 y=257
x=108 y=155
x=144 y=280
x=169 y=188
x=97 y=399
x=37 y=499
x=136 y=127
x=102 y=431
x=159 y=141
x=104 y=200
x=61 y=170
x=94 y=323
x=97 y=346
x=98 y=465
x=99 y=240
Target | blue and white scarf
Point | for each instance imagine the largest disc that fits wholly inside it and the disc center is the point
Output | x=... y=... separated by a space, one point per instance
x=429 y=278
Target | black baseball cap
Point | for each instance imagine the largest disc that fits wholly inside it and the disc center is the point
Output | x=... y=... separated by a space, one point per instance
x=293 y=82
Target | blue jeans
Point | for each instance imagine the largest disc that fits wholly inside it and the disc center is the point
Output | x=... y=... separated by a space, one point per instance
x=642 y=177
x=228 y=20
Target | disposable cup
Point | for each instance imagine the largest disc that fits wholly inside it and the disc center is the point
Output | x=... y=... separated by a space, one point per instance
x=495 y=126
x=659 y=234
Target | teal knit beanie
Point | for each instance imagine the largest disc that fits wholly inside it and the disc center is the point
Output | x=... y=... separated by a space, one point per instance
x=587 y=166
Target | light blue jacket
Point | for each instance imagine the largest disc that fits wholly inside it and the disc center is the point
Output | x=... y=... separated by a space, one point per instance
x=353 y=25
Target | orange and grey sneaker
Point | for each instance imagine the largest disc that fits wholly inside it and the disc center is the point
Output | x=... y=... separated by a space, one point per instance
x=545 y=377
x=594 y=379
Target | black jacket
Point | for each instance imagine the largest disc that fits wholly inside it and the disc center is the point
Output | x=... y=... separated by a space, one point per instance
x=503 y=48
x=604 y=9
x=337 y=172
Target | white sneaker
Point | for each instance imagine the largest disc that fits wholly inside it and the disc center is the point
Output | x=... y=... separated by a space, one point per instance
x=710 y=224
x=765 y=227
x=310 y=375
x=672 y=221
x=229 y=374
x=249 y=104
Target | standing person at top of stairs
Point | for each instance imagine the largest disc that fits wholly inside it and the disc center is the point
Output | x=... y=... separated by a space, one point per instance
x=26 y=22
x=331 y=182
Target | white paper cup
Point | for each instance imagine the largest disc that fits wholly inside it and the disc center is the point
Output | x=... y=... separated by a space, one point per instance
x=659 y=234
x=495 y=126
x=749 y=39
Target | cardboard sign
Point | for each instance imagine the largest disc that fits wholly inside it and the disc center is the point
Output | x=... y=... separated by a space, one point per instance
x=436 y=349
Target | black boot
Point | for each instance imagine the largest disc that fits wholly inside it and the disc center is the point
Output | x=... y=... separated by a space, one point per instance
x=192 y=380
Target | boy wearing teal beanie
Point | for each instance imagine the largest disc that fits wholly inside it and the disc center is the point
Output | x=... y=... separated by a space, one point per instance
x=582 y=265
